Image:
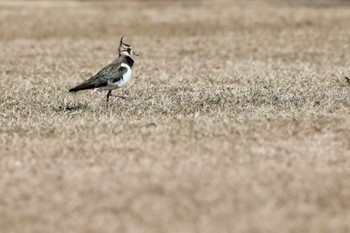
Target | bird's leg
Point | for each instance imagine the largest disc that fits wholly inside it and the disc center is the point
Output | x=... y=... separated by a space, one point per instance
x=108 y=95
x=347 y=80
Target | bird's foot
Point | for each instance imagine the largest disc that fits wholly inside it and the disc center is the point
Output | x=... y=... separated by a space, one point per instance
x=122 y=97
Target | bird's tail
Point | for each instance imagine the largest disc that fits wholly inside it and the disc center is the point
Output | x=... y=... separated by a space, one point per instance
x=88 y=84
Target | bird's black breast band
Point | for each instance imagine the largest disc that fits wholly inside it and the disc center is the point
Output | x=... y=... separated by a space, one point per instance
x=128 y=60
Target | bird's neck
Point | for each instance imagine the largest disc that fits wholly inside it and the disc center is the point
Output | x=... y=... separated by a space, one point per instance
x=126 y=59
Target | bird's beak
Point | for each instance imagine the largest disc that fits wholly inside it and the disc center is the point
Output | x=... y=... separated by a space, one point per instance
x=136 y=54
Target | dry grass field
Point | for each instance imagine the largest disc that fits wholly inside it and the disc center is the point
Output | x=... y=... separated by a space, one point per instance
x=238 y=117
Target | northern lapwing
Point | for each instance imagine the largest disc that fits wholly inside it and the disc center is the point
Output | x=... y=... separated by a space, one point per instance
x=112 y=76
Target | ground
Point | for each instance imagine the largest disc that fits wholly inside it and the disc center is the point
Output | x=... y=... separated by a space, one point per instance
x=237 y=120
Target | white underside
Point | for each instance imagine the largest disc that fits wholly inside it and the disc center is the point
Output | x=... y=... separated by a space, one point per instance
x=121 y=82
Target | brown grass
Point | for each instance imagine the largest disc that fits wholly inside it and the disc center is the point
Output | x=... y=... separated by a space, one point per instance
x=237 y=119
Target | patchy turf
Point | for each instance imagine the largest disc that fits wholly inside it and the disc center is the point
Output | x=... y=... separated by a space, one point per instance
x=237 y=118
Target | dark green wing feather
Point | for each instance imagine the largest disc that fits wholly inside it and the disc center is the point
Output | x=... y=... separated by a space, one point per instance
x=112 y=73
x=109 y=74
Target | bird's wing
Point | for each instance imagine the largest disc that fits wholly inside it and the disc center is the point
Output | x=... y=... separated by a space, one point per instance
x=112 y=73
x=109 y=74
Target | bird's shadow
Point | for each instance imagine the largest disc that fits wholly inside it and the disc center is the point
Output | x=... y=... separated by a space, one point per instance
x=71 y=107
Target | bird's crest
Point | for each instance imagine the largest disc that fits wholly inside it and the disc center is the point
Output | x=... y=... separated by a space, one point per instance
x=125 y=49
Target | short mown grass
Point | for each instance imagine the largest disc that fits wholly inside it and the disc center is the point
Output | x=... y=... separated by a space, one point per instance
x=237 y=117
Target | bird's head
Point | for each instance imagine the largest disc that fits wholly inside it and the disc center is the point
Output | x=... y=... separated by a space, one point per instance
x=125 y=49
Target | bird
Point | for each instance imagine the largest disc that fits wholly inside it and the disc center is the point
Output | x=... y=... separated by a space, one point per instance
x=112 y=76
